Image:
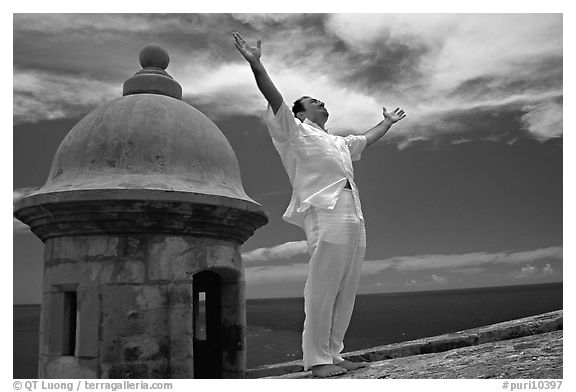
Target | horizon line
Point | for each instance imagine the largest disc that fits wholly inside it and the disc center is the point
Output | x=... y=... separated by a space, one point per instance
x=386 y=293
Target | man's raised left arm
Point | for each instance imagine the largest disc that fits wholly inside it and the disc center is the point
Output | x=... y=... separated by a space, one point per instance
x=375 y=133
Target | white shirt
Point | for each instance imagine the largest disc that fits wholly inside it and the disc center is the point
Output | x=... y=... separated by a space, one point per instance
x=317 y=163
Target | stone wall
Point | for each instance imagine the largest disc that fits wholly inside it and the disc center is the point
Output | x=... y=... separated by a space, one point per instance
x=134 y=297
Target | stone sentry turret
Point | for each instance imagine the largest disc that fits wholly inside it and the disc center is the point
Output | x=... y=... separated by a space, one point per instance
x=142 y=216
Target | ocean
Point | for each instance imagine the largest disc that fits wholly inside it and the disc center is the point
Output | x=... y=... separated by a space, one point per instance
x=274 y=330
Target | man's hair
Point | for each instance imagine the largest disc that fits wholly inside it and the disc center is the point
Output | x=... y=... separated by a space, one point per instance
x=298 y=106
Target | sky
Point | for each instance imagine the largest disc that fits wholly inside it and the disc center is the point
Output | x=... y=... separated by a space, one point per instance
x=466 y=191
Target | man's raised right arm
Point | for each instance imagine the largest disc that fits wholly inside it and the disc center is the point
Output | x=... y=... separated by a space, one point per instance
x=252 y=55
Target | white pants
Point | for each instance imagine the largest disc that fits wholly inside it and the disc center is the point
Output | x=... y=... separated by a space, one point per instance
x=337 y=244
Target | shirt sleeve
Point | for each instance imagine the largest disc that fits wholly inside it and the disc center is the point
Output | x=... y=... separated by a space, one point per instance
x=356 y=144
x=282 y=124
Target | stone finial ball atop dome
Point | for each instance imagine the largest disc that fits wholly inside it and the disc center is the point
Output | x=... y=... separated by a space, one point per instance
x=154 y=55
x=153 y=78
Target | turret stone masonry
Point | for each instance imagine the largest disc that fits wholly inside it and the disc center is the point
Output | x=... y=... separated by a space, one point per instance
x=142 y=216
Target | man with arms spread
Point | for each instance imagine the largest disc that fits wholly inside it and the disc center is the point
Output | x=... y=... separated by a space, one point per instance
x=326 y=205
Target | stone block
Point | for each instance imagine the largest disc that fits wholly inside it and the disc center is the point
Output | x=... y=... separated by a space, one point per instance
x=179 y=294
x=118 y=271
x=151 y=297
x=449 y=343
x=180 y=319
x=233 y=337
x=61 y=249
x=116 y=325
x=174 y=258
x=80 y=248
x=182 y=369
x=64 y=248
x=95 y=248
x=119 y=297
x=109 y=271
x=161 y=370
x=145 y=347
x=88 y=324
x=233 y=314
x=135 y=370
x=133 y=297
x=232 y=293
x=223 y=255
x=234 y=364
x=100 y=246
x=133 y=247
x=110 y=349
x=119 y=325
x=67 y=367
x=53 y=324
x=71 y=273
x=181 y=341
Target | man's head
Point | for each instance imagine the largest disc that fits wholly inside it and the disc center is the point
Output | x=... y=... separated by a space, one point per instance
x=310 y=108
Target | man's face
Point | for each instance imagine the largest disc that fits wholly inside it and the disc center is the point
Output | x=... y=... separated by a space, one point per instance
x=315 y=110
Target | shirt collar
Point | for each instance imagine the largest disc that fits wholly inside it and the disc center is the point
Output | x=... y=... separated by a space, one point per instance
x=311 y=123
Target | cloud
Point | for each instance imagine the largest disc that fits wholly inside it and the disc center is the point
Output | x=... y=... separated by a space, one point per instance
x=427 y=262
x=439 y=279
x=350 y=111
x=17 y=226
x=543 y=121
x=19 y=193
x=531 y=271
x=551 y=253
x=443 y=69
x=461 y=140
x=221 y=90
x=466 y=270
x=548 y=270
x=40 y=95
x=261 y=21
x=229 y=89
x=526 y=272
x=275 y=253
x=465 y=61
x=88 y=24
x=470 y=263
x=462 y=46
x=282 y=273
x=493 y=119
x=373 y=267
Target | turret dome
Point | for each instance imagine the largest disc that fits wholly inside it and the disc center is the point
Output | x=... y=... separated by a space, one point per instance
x=147 y=146
x=148 y=139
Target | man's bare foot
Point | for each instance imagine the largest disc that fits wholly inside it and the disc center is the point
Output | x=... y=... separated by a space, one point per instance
x=349 y=365
x=327 y=370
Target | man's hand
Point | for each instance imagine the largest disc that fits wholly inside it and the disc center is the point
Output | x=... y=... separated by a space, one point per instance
x=395 y=116
x=375 y=133
x=250 y=53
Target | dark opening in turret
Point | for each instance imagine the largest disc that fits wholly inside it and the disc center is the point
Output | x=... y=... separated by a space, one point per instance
x=207 y=325
x=69 y=324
